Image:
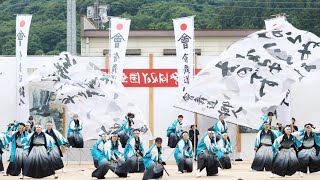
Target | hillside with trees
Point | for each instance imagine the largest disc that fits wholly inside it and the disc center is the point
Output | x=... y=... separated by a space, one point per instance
x=48 y=27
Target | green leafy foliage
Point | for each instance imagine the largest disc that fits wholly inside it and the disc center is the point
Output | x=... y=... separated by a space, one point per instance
x=48 y=27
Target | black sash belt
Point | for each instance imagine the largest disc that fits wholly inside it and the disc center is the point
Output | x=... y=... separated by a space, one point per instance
x=307 y=147
x=265 y=144
x=19 y=146
x=38 y=145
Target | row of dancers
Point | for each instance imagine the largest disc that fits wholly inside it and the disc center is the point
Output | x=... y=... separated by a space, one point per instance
x=37 y=153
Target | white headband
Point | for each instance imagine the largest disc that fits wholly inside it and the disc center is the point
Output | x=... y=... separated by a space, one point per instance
x=210 y=132
x=287 y=128
x=38 y=126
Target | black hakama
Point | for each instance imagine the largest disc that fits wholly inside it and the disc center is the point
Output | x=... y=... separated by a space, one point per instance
x=123 y=138
x=308 y=157
x=225 y=162
x=119 y=168
x=75 y=139
x=264 y=156
x=154 y=171
x=286 y=162
x=185 y=164
x=56 y=153
x=172 y=140
x=20 y=155
x=135 y=164
x=1 y=163
x=38 y=164
x=208 y=161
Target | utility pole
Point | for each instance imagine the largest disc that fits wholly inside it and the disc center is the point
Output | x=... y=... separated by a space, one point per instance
x=71 y=27
x=98 y=14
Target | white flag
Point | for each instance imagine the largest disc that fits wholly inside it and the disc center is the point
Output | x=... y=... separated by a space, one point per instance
x=184 y=39
x=118 y=44
x=284 y=114
x=22 y=33
x=253 y=75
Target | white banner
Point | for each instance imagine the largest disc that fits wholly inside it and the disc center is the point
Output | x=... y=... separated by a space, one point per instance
x=184 y=40
x=22 y=33
x=118 y=39
x=284 y=114
x=253 y=75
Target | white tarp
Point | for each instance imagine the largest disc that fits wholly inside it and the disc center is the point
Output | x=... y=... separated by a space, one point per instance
x=253 y=75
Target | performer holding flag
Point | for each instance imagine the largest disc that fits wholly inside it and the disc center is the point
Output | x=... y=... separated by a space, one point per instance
x=153 y=161
x=125 y=129
x=133 y=153
x=174 y=131
x=206 y=151
x=183 y=153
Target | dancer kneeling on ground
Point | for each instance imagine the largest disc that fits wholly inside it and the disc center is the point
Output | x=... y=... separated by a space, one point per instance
x=133 y=153
x=206 y=151
x=115 y=161
x=174 y=132
x=98 y=153
x=284 y=149
x=225 y=148
x=263 y=146
x=183 y=154
x=38 y=163
x=153 y=161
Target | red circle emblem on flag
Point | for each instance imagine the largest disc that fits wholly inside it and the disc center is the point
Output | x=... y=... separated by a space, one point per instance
x=119 y=26
x=183 y=27
x=22 y=23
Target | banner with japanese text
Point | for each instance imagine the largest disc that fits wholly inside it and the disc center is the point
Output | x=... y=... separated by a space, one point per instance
x=119 y=32
x=184 y=40
x=22 y=33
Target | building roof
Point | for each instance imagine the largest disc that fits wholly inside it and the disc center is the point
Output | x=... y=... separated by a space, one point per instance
x=166 y=33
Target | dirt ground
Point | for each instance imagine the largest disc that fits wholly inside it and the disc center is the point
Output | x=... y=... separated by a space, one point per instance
x=240 y=170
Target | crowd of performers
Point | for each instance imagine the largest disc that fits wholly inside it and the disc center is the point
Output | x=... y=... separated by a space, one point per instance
x=36 y=152
x=285 y=151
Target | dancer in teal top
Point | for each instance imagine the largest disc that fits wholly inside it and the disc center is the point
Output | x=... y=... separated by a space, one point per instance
x=125 y=129
x=183 y=154
x=207 y=151
x=153 y=161
x=174 y=132
x=134 y=152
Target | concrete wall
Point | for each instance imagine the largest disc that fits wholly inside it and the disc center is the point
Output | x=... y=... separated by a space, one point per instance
x=210 y=46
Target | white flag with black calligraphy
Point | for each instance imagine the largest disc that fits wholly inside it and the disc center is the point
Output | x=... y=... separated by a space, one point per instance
x=100 y=101
x=184 y=40
x=119 y=33
x=22 y=34
x=253 y=74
